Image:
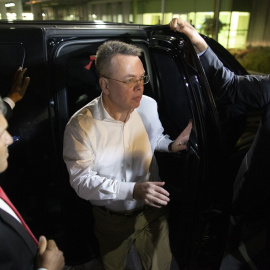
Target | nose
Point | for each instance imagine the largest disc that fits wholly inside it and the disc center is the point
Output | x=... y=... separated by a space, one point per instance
x=139 y=85
x=9 y=139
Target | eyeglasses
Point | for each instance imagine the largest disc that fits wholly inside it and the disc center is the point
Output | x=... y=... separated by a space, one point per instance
x=132 y=81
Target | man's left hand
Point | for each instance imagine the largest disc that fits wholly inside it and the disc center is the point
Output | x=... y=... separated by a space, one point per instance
x=180 y=143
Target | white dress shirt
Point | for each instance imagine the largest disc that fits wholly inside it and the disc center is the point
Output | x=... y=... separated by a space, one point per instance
x=105 y=157
x=4 y=206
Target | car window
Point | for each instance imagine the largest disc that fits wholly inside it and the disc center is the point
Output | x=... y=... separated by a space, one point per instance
x=12 y=55
x=174 y=102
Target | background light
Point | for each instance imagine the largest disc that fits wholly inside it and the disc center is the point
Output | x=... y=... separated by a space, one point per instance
x=9 y=5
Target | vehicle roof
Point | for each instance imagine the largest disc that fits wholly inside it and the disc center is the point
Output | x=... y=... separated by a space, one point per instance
x=72 y=24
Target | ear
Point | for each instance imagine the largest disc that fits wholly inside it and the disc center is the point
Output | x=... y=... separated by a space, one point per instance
x=103 y=82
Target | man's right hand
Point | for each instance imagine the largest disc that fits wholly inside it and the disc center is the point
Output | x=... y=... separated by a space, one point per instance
x=184 y=27
x=151 y=193
x=49 y=256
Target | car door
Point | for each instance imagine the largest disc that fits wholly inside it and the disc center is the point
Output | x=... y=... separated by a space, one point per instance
x=195 y=178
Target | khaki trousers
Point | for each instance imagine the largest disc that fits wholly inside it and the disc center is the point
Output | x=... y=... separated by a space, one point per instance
x=148 y=231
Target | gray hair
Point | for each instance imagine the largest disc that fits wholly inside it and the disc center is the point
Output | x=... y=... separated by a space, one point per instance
x=108 y=50
x=2 y=106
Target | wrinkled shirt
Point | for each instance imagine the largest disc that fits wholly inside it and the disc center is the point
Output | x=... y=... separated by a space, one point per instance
x=105 y=157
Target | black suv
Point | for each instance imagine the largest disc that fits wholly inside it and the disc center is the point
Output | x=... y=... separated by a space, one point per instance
x=60 y=61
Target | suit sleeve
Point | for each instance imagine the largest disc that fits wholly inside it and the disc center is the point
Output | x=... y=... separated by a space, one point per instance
x=251 y=91
x=15 y=251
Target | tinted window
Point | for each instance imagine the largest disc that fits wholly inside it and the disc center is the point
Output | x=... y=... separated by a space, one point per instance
x=12 y=57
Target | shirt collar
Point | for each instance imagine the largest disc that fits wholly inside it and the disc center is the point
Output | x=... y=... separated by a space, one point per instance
x=104 y=115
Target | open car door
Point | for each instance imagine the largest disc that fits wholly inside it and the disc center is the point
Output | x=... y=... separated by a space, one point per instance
x=195 y=178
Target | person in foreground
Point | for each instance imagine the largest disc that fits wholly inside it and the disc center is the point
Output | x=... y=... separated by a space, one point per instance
x=109 y=151
x=249 y=242
x=18 y=247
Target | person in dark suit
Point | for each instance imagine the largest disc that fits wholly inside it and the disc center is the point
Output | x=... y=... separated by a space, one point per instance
x=17 y=91
x=18 y=247
x=249 y=242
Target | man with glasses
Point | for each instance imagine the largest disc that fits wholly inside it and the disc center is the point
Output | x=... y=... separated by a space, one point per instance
x=108 y=149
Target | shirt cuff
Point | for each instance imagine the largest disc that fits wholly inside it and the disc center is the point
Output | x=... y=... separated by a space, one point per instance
x=163 y=144
x=10 y=102
x=201 y=53
x=126 y=191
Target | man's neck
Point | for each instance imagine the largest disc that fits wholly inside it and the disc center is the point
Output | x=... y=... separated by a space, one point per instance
x=115 y=114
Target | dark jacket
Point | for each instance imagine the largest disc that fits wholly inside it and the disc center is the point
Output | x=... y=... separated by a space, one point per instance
x=17 y=248
x=251 y=91
x=252 y=186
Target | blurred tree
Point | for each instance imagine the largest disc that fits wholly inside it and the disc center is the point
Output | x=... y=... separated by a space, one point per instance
x=209 y=26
